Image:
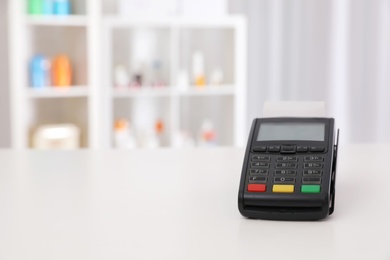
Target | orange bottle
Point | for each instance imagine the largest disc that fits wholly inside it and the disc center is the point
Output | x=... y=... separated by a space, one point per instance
x=159 y=126
x=62 y=71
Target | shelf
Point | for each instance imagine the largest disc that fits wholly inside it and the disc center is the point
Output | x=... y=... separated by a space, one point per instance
x=96 y=42
x=58 y=92
x=222 y=90
x=230 y=21
x=56 y=20
x=141 y=92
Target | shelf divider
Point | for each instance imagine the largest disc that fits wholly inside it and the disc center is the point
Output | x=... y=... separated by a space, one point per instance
x=56 y=20
x=58 y=92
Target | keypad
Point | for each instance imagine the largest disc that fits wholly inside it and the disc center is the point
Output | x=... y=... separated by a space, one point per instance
x=312 y=172
x=257 y=179
x=274 y=149
x=258 y=172
x=284 y=180
x=260 y=158
x=317 y=149
x=257 y=187
x=286 y=169
x=260 y=164
x=310 y=188
x=302 y=149
x=312 y=165
x=287 y=159
x=285 y=172
x=259 y=148
x=283 y=188
x=315 y=180
x=287 y=149
x=286 y=165
x=313 y=158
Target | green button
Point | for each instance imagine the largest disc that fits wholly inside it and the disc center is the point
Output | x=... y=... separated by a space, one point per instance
x=310 y=188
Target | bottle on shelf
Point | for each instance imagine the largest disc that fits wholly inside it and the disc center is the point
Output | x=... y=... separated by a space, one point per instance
x=216 y=78
x=62 y=7
x=121 y=76
x=208 y=135
x=62 y=71
x=63 y=136
x=35 y=7
x=157 y=80
x=48 y=7
x=123 y=135
x=138 y=76
x=40 y=71
x=159 y=127
x=198 y=69
x=153 y=138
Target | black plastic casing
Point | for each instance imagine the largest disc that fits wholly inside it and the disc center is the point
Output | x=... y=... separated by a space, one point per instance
x=296 y=205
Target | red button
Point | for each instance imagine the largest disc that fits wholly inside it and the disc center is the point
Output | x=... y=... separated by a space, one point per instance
x=257 y=187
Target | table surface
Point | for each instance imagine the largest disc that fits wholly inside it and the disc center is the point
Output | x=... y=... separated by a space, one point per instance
x=178 y=204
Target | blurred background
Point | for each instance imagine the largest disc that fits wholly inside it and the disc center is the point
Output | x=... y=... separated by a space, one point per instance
x=186 y=73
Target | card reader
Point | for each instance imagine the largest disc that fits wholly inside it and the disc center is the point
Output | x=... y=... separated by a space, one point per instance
x=289 y=169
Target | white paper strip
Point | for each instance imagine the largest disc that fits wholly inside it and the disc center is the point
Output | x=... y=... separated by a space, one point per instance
x=294 y=109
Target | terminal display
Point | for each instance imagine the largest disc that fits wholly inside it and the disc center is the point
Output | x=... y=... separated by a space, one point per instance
x=291 y=131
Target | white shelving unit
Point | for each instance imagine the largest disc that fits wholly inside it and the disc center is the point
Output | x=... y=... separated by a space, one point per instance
x=144 y=92
x=53 y=92
x=52 y=20
x=89 y=37
x=74 y=35
x=210 y=91
x=175 y=99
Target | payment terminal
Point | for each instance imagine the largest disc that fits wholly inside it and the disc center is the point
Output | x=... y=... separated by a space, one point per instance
x=289 y=169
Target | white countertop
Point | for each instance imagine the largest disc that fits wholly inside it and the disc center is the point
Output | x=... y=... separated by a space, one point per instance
x=178 y=204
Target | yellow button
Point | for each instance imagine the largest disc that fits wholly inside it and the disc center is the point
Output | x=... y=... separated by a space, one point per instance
x=283 y=188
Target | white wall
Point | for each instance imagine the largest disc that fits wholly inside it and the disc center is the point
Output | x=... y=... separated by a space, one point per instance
x=288 y=50
x=331 y=50
x=4 y=86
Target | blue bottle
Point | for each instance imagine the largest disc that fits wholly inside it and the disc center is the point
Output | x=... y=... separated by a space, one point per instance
x=47 y=7
x=40 y=72
x=62 y=7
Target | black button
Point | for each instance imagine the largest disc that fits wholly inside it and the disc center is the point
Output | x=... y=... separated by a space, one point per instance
x=302 y=149
x=259 y=149
x=287 y=159
x=313 y=180
x=258 y=172
x=260 y=158
x=260 y=164
x=286 y=165
x=314 y=158
x=287 y=172
x=284 y=180
x=312 y=165
x=288 y=149
x=257 y=179
x=317 y=149
x=274 y=148
x=312 y=173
